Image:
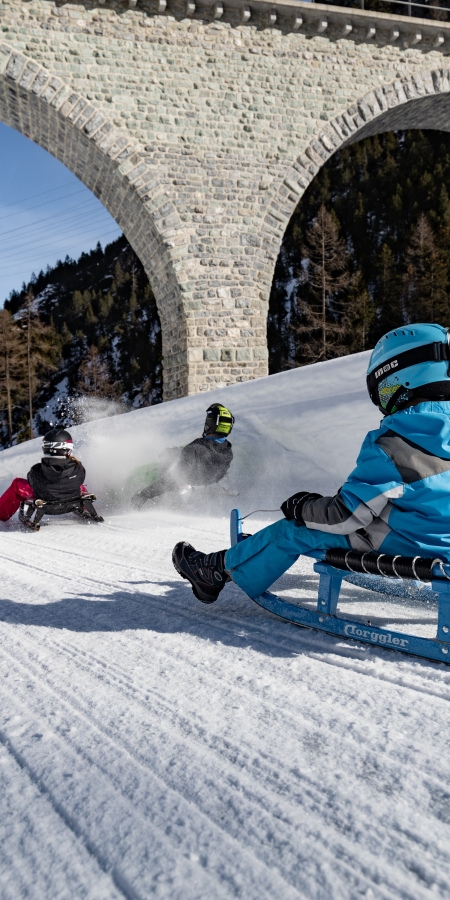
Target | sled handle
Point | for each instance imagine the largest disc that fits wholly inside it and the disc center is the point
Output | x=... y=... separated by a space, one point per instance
x=235 y=527
x=236 y=520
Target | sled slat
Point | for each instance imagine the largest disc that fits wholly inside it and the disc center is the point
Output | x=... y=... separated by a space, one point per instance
x=329 y=587
x=235 y=527
x=324 y=618
x=348 y=628
x=443 y=626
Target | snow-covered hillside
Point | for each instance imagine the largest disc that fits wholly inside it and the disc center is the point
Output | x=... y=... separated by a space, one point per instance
x=302 y=427
x=153 y=747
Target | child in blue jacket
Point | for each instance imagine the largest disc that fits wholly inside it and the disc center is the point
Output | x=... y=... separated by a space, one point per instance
x=396 y=500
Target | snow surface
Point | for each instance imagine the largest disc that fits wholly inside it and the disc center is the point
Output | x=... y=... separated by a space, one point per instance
x=154 y=747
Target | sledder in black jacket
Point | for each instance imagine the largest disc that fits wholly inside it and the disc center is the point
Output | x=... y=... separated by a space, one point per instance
x=56 y=484
x=204 y=461
x=56 y=478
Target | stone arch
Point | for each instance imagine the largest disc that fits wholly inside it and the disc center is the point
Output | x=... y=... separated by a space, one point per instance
x=113 y=165
x=421 y=100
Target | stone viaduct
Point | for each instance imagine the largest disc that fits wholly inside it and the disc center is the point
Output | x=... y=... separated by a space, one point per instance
x=200 y=124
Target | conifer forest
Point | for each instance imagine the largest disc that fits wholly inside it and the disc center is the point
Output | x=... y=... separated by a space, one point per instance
x=368 y=249
x=81 y=339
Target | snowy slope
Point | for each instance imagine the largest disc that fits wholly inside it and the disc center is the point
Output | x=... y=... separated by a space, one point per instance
x=153 y=747
x=305 y=425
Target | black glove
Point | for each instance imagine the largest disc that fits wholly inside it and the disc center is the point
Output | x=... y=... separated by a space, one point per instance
x=147 y=494
x=292 y=507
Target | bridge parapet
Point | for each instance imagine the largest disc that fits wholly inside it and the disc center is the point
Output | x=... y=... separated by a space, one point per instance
x=310 y=18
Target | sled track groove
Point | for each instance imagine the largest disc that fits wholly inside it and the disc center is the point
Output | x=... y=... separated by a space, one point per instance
x=130 y=806
x=191 y=727
x=126 y=684
x=118 y=879
x=288 y=789
x=347 y=867
x=307 y=641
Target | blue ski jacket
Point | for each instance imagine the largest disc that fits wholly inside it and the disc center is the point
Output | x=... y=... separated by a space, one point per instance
x=397 y=499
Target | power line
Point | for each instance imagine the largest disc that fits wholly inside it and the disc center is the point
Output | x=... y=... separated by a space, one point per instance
x=39 y=222
x=42 y=241
x=32 y=261
x=61 y=252
x=39 y=235
x=51 y=191
x=26 y=209
x=20 y=248
x=106 y=243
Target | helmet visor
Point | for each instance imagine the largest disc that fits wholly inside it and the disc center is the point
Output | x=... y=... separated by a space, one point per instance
x=57 y=448
x=383 y=383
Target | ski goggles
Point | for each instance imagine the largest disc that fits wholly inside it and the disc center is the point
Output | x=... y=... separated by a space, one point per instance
x=435 y=352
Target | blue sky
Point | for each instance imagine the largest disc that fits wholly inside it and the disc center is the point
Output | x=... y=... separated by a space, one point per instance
x=45 y=212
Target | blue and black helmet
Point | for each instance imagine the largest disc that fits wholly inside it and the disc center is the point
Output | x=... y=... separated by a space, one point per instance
x=407 y=363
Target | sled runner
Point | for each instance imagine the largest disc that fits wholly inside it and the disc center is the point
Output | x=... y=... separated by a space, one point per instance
x=368 y=570
x=32 y=511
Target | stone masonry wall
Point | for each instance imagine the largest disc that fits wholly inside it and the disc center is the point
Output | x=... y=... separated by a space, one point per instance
x=200 y=136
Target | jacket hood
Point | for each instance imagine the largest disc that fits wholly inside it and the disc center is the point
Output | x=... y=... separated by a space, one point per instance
x=427 y=425
x=57 y=467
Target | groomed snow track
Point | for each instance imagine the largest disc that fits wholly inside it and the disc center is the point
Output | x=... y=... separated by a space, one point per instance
x=152 y=747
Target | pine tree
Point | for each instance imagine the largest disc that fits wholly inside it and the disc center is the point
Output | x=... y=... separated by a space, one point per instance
x=94 y=379
x=324 y=276
x=358 y=315
x=378 y=189
x=426 y=277
x=13 y=367
x=42 y=351
x=82 y=304
x=103 y=299
x=133 y=302
x=387 y=293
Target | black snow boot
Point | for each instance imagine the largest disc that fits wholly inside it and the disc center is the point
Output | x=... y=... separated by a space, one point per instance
x=205 y=571
x=25 y=513
x=88 y=510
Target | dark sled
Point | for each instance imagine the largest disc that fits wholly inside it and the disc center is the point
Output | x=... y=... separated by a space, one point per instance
x=369 y=570
x=32 y=511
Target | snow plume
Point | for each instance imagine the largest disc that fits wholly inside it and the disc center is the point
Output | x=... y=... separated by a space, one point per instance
x=89 y=409
x=297 y=430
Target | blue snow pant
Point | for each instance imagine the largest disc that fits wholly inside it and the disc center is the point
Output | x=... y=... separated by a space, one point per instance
x=257 y=562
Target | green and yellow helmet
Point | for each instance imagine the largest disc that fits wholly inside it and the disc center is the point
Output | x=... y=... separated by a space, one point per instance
x=218 y=420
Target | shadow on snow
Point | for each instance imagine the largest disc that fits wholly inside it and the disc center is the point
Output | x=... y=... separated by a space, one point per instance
x=234 y=620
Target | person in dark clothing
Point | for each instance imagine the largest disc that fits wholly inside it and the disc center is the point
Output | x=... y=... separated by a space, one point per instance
x=204 y=461
x=58 y=478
